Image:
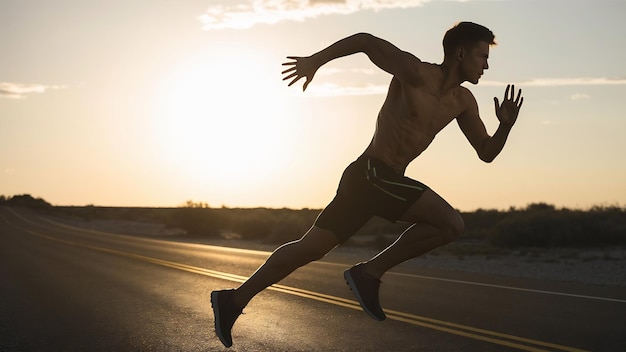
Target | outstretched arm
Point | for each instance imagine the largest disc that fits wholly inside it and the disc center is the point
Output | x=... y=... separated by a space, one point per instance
x=382 y=53
x=488 y=147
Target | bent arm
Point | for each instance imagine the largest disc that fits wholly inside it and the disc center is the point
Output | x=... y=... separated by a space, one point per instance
x=487 y=147
x=382 y=53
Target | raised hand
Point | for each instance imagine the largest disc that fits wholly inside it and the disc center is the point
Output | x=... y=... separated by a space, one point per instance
x=508 y=111
x=300 y=67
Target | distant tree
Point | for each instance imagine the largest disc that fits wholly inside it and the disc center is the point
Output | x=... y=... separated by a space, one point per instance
x=2 y=199
x=26 y=200
x=192 y=204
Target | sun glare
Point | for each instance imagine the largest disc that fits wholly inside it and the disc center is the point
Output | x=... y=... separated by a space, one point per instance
x=223 y=122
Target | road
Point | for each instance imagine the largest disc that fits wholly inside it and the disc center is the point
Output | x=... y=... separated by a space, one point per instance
x=68 y=289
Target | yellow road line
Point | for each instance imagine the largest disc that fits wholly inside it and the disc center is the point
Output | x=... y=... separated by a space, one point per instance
x=520 y=343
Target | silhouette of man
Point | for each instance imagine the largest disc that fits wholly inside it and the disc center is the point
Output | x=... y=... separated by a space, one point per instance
x=422 y=99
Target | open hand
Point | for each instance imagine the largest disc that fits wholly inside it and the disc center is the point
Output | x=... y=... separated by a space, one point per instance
x=508 y=111
x=300 y=67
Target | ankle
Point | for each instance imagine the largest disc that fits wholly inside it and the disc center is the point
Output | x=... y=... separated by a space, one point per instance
x=238 y=301
x=371 y=270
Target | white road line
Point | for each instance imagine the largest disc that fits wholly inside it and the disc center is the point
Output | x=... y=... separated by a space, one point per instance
x=510 y=287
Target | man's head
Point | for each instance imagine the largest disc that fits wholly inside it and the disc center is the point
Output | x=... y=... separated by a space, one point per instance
x=466 y=35
x=468 y=44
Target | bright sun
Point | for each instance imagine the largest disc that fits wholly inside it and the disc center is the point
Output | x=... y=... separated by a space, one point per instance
x=223 y=120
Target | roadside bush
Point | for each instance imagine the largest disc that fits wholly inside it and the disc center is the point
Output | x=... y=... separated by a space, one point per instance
x=479 y=223
x=544 y=226
x=202 y=222
x=269 y=225
x=257 y=224
x=253 y=224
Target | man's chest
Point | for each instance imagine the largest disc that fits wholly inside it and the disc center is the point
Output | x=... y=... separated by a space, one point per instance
x=425 y=109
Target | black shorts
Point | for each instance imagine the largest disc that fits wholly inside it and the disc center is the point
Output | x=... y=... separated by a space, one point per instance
x=368 y=188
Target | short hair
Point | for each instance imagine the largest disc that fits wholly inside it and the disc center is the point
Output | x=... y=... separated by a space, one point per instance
x=465 y=34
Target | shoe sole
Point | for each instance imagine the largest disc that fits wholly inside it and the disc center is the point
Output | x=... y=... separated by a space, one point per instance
x=350 y=281
x=216 y=313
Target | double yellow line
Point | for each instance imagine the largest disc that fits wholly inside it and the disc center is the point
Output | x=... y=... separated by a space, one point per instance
x=502 y=339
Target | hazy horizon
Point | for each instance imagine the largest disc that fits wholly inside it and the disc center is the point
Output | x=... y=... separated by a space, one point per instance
x=199 y=204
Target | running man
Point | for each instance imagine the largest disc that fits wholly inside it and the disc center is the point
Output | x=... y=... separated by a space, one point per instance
x=422 y=99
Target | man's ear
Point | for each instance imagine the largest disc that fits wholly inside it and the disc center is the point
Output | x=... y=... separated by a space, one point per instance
x=460 y=53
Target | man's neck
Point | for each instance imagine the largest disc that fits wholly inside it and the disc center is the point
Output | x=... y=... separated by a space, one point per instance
x=451 y=76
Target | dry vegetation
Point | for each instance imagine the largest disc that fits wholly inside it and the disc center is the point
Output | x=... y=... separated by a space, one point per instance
x=538 y=225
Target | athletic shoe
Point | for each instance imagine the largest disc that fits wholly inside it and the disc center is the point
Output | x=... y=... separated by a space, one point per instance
x=365 y=288
x=225 y=314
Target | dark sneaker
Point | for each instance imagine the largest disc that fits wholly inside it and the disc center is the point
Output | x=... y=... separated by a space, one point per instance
x=225 y=314
x=365 y=288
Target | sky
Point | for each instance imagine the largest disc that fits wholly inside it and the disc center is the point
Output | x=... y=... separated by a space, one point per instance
x=154 y=103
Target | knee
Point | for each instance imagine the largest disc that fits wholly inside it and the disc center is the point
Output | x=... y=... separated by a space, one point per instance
x=315 y=244
x=311 y=254
x=306 y=253
x=453 y=228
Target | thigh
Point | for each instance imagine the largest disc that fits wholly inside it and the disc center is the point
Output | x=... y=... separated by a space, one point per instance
x=432 y=209
x=344 y=216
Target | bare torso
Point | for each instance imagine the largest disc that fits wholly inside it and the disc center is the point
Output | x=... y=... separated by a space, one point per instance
x=412 y=115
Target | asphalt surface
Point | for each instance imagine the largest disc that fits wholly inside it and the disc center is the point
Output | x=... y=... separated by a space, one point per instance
x=68 y=289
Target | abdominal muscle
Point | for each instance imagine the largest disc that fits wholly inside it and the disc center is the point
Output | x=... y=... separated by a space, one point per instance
x=397 y=145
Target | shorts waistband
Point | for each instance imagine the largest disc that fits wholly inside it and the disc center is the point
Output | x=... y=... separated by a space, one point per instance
x=374 y=160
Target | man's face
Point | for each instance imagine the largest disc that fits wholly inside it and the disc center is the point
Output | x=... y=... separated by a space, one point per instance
x=474 y=61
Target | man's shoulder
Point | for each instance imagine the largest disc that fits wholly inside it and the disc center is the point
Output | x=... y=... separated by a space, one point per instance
x=466 y=95
x=465 y=92
x=467 y=101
